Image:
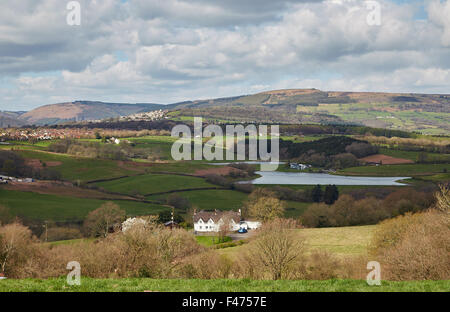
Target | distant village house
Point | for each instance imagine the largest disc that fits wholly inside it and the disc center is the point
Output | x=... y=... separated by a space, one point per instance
x=213 y=221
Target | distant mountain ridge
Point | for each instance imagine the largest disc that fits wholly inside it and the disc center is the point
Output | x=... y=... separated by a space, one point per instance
x=81 y=111
x=427 y=113
x=10 y=119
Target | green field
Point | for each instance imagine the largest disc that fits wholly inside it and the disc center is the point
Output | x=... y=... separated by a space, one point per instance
x=62 y=208
x=341 y=241
x=211 y=199
x=397 y=170
x=84 y=169
x=295 y=209
x=211 y=240
x=153 y=183
x=414 y=156
x=217 y=285
x=160 y=145
x=373 y=114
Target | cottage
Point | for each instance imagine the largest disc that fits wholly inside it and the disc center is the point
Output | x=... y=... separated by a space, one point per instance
x=213 y=221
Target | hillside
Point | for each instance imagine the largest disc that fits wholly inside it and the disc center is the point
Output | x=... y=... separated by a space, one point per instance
x=10 y=119
x=82 y=110
x=425 y=113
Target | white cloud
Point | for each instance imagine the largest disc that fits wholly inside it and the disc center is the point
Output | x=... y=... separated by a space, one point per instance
x=439 y=13
x=188 y=49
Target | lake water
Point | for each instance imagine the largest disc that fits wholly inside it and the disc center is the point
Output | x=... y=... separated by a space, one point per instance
x=304 y=178
x=298 y=178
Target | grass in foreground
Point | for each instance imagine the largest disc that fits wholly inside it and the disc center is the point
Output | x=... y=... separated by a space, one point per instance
x=212 y=240
x=219 y=285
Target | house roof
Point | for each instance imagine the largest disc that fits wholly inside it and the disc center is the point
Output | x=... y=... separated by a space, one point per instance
x=217 y=215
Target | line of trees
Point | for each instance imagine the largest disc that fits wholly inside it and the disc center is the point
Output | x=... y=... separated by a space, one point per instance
x=13 y=164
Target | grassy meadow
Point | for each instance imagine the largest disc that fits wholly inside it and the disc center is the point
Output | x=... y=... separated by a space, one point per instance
x=397 y=170
x=210 y=199
x=216 y=285
x=341 y=241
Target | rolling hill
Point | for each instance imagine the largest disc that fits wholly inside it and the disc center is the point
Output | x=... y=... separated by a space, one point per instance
x=82 y=110
x=10 y=119
x=426 y=113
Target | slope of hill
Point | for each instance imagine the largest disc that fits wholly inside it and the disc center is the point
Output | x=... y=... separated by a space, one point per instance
x=429 y=114
x=10 y=119
x=82 y=110
x=412 y=112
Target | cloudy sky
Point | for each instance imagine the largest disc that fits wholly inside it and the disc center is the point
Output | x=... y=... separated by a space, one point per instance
x=164 y=51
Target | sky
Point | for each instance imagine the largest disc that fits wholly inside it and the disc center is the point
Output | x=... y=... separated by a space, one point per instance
x=166 y=51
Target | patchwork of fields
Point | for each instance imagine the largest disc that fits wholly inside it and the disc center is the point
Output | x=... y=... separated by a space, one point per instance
x=142 y=187
x=148 y=184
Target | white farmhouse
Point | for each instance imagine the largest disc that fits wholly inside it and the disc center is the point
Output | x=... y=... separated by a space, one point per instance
x=213 y=221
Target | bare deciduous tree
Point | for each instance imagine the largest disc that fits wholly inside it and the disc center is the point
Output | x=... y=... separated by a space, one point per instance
x=443 y=198
x=265 y=208
x=15 y=247
x=224 y=228
x=101 y=220
x=277 y=248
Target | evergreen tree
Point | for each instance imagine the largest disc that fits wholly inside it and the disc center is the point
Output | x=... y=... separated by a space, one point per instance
x=331 y=194
x=316 y=193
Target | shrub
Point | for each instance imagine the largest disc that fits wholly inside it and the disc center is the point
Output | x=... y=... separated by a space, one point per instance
x=275 y=253
x=322 y=265
x=178 y=202
x=414 y=247
x=16 y=249
x=5 y=215
x=218 y=266
x=150 y=251
x=60 y=233
x=218 y=180
x=443 y=199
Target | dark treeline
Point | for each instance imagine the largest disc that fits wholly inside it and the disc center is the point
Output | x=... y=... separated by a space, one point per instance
x=343 y=130
x=328 y=146
x=285 y=129
x=12 y=164
x=122 y=125
x=370 y=209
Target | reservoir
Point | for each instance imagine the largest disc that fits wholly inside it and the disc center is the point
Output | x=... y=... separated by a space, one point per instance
x=303 y=178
